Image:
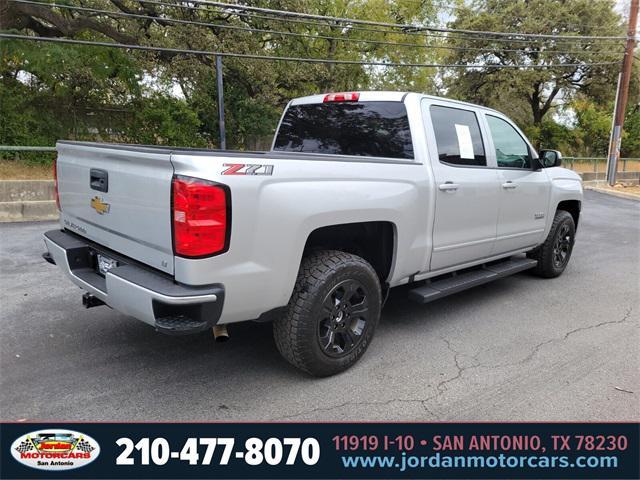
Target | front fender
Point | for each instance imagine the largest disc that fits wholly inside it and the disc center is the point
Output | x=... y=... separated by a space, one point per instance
x=565 y=185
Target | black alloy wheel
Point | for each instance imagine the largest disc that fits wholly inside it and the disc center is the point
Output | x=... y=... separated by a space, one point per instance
x=332 y=314
x=345 y=318
x=554 y=254
x=562 y=246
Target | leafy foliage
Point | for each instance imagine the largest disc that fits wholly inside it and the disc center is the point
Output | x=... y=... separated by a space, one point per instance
x=53 y=91
x=594 y=127
x=66 y=91
x=531 y=96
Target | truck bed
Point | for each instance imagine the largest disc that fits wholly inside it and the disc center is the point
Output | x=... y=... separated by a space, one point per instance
x=258 y=155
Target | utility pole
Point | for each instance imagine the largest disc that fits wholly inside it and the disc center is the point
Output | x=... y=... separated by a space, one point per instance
x=220 y=88
x=622 y=95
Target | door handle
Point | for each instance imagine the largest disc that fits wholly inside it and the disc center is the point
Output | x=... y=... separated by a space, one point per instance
x=448 y=187
x=99 y=180
x=509 y=185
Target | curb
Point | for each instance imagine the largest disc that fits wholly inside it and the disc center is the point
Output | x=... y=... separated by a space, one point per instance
x=26 y=190
x=28 y=211
x=27 y=200
x=602 y=176
x=613 y=193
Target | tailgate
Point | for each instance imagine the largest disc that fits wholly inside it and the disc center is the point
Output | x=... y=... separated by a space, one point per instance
x=120 y=197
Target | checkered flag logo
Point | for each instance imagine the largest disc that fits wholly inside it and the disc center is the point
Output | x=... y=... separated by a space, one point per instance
x=84 y=446
x=24 y=446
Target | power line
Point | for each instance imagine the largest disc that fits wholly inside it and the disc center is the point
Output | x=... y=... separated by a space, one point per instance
x=288 y=20
x=404 y=26
x=247 y=29
x=295 y=59
x=350 y=28
x=364 y=29
x=290 y=34
x=471 y=7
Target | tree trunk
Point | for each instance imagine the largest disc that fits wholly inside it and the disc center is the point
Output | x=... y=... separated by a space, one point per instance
x=539 y=108
x=534 y=101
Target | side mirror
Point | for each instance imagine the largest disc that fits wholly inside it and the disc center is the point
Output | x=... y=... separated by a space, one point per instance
x=550 y=158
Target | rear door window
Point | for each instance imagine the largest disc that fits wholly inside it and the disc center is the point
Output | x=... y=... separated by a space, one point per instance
x=371 y=129
x=458 y=136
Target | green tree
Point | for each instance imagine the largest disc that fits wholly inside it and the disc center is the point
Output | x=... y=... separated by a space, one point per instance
x=142 y=96
x=529 y=95
x=557 y=136
x=630 y=147
x=593 y=124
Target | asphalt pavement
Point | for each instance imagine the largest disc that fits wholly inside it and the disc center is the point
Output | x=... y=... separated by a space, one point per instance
x=521 y=348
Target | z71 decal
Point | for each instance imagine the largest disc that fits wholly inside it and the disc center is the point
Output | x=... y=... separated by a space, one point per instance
x=247 y=169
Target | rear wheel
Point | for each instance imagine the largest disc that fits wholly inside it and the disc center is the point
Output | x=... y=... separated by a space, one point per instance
x=554 y=254
x=332 y=314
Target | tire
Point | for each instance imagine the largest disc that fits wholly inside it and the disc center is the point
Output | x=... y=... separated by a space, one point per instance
x=332 y=315
x=554 y=254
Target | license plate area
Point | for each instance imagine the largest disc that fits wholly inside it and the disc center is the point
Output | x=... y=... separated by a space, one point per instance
x=104 y=263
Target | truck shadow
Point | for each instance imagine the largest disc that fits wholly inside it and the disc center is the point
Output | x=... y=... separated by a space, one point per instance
x=131 y=372
x=251 y=351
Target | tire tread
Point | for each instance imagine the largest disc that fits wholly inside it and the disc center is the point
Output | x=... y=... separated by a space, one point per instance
x=315 y=269
x=544 y=253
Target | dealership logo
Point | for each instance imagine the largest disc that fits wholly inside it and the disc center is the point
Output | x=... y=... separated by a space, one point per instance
x=55 y=449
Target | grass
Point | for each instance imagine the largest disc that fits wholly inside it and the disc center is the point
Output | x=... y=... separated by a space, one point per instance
x=13 y=170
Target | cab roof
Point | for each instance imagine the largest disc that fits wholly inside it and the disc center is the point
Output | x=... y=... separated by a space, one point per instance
x=371 y=96
x=383 y=96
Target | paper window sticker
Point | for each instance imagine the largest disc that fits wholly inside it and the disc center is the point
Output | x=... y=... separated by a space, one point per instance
x=465 y=144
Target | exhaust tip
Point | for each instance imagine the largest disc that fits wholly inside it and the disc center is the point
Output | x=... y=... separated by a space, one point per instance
x=220 y=333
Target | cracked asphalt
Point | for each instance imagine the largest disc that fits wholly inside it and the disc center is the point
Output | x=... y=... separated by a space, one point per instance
x=521 y=348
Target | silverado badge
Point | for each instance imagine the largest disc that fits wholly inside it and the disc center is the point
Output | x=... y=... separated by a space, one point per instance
x=99 y=206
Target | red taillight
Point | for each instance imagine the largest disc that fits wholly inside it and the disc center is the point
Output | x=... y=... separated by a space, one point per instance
x=200 y=217
x=55 y=183
x=341 y=97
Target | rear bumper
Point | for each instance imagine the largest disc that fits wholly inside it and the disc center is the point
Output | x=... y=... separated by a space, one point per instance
x=134 y=290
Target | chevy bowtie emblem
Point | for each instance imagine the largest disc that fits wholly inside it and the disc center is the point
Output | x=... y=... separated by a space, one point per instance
x=99 y=206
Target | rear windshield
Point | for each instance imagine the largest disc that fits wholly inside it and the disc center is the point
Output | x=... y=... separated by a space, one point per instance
x=371 y=129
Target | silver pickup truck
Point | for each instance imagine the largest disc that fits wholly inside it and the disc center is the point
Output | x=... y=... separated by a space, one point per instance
x=361 y=192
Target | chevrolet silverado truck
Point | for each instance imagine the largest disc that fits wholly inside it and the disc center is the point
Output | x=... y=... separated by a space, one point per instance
x=361 y=192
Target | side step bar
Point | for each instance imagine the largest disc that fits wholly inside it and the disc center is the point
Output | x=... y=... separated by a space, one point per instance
x=470 y=278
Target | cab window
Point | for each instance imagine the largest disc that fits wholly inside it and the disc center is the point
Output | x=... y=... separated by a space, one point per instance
x=511 y=149
x=370 y=129
x=458 y=136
